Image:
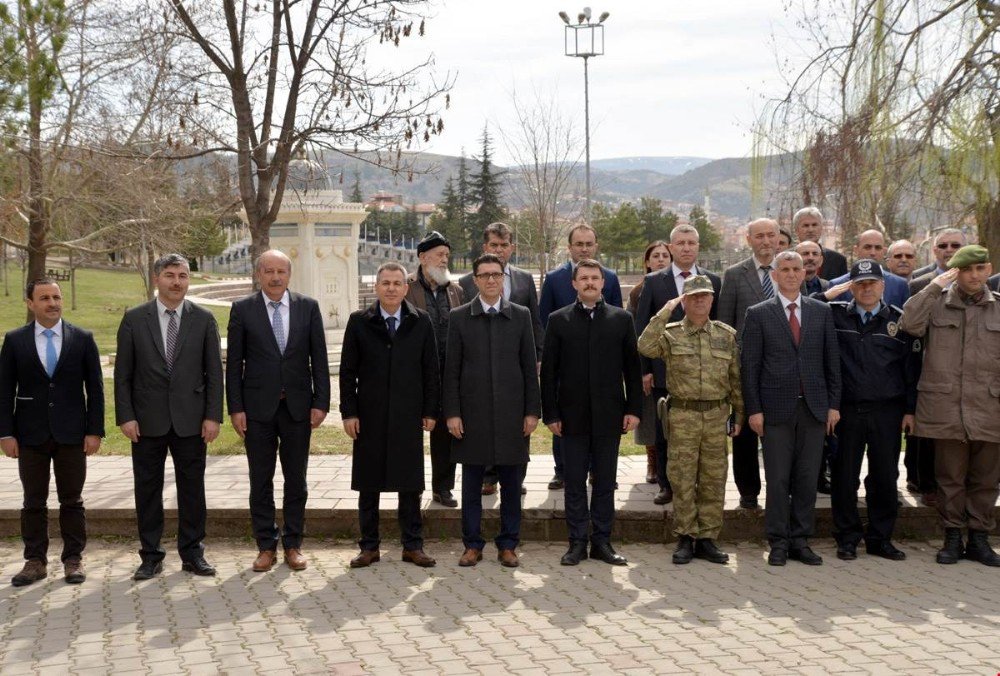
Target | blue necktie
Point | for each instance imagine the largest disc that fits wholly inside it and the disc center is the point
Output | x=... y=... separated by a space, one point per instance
x=278 y=326
x=390 y=323
x=50 y=352
x=492 y=311
x=766 y=282
x=867 y=318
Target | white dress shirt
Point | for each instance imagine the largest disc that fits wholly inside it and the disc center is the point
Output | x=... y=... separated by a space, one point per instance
x=785 y=302
x=286 y=304
x=398 y=314
x=679 y=279
x=164 y=319
x=757 y=265
x=486 y=306
x=41 y=341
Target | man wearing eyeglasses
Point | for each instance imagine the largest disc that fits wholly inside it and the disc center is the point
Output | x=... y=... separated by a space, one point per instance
x=870 y=244
x=901 y=258
x=946 y=243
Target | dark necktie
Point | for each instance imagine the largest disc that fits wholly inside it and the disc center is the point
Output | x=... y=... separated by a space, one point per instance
x=867 y=318
x=685 y=273
x=766 y=284
x=492 y=311
x=390 y=323
x=793 y=323
x=171 y=345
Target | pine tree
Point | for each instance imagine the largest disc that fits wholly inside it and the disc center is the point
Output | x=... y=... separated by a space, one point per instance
x=486 y=185
x=708 y=237
x=464 y=200
x=356 y=195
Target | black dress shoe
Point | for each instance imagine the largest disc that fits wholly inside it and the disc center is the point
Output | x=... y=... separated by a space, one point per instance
x=604 y=552
x=806 y=556
x=684 y=551
x=557 y=483
x=823 y=487
x=664 y=497
x=147 y=570
x=705 y=548
x=777 y=557
x=749 y=502
x=524 y=489
x=445 y=498
x=847 y=551
x=198 y=566
x=576 y=553
x=886 y=550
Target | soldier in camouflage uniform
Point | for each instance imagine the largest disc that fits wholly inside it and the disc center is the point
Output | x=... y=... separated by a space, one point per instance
x=703 y=378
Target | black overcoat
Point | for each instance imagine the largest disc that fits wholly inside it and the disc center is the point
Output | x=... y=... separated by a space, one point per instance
x=490 y=381
x=390 y=385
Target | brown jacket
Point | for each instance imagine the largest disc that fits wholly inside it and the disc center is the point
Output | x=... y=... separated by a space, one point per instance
x=415 y=293
x=959 y=389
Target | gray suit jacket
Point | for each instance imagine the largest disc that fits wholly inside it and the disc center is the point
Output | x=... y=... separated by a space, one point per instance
x=775 y=370
x=740 y=289
x=522 y=292
x=159 y=400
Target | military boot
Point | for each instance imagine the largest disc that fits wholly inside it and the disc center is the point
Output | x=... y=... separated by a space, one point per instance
x=979 y=549
x=706 y=549
x=953 y=548
x=685 y=550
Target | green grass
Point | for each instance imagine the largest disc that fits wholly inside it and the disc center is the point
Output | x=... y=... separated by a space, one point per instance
x=102 y=296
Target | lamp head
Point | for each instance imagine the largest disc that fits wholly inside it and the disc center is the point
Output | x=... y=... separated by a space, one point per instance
x=581 y=17
x=565 y=17
x=586 y=12
x=604 y=16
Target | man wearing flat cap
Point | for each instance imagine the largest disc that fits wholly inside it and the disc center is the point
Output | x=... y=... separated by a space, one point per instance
x=702 y=362
x=879 y=368
x=958 y=401
x=430 y=289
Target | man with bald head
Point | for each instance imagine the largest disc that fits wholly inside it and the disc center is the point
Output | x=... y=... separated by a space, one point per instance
x=870 y=245
x=808 y=224
x=278 y=390
x=812 y=263
x=901 y=258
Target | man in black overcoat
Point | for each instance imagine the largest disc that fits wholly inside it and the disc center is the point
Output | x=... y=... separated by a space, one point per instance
x=591 y=395
x=388 y=395
x=491 y=404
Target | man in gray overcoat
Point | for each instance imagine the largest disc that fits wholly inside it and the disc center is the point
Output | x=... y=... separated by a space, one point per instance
x=491 y=405
x=389 y=391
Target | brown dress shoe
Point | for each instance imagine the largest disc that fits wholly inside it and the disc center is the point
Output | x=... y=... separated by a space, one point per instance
x=650 y=464
x=294 y=559
x=508 y=558
x=33 y=571
x=471 y=557
x=366 y=558
x=265 y=561
x=664 y=497
x=73 y=571
x=418 y=558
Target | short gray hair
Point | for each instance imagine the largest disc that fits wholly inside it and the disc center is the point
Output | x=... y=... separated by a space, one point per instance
x=684 y=228
x=169 y=260
x=273 y=252
x=807 y=211
x=949 y=231
x=787 y=255
x=390 y=266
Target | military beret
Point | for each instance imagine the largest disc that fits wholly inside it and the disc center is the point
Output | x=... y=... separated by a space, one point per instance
x=431 y=240
x=698 y=284
x=970 y=254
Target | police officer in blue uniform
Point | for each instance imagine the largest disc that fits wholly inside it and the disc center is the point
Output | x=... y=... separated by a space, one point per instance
x=880 y=366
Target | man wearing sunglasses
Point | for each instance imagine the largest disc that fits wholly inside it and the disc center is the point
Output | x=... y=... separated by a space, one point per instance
x=901 y=258
x=946 y=243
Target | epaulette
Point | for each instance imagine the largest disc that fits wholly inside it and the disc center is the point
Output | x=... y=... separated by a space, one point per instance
x=996 y=294
x=673 y=324
x=897 y=308
x=722 y=325
x=841 y=303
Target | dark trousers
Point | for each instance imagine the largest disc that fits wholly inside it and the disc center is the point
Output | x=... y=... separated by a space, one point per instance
x=967 y=476
x=288 y=440
x=875 y=426
x=148 y=458
x=746 y=462
x=792 y=452
x=919 y=462
x=661 y=443
x=442 y=468
x=581 y=454
x=69 y=463
x=511 y=477
x=410 y=525
x=557 y=456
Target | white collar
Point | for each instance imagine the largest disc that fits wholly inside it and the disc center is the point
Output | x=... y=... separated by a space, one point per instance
x=785 y=302
x=57 y=329
x=677 y=272
x=284 y=299
x=486 y=307
x=162 y=309
x=757 y=265
x=398 y=314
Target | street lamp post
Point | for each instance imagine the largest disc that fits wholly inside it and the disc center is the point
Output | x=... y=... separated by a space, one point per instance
x=585 y=39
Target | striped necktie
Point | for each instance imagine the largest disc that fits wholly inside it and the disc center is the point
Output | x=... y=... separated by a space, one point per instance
x=766 y=282
x=171 y=346
x=278 y=326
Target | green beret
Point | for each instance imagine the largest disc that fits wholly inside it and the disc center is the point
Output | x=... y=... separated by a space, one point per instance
x=971 y=254
x=698 y=284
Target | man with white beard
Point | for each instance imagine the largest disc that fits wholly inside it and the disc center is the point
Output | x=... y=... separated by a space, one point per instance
x=431 y=289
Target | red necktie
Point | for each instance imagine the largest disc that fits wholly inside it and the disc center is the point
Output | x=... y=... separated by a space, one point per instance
x=793 y=323
x=685 y=273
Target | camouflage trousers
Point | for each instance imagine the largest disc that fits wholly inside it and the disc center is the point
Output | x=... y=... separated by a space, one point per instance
x=697 y=463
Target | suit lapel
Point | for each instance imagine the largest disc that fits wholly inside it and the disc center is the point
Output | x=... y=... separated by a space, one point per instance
x=185 y=329
x=153 y=324
x=32 y=349
x=778 y=309
x=294 y=323
x=67 y=342
x=263 y=312
x=753 y=279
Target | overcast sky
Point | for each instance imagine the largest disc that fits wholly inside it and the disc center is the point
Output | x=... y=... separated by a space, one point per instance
x=677 y=77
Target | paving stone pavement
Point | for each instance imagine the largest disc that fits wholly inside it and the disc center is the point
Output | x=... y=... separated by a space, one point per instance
x=865 y=616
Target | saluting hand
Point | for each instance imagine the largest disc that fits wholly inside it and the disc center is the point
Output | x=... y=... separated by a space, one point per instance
x=837 y=290
x=353 y=427
x=946 y=278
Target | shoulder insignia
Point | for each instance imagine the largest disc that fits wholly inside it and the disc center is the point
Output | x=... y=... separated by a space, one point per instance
x=917 y=346
x=996 y=294
x=892 y=328
x=716 y=324
x=898 y=309
x=839 y=303
x=673 y=324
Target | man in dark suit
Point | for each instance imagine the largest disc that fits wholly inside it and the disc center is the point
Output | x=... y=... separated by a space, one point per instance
x=278 y=390
x=946 y=243
x=491 y=404
x=518 y=287
x=591 y=395
x=51 y=412
x=744 y=284
x=657 y=289
x=812 y=263
x=808 y=224
x=389 y=388
x=901 y=258
x=558 y=292
x=168 y=398
x=791 y=388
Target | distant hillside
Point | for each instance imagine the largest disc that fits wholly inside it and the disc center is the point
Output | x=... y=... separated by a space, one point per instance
x=669 y=166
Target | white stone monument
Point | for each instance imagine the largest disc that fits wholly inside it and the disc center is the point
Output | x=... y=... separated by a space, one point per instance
x=319 y=232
